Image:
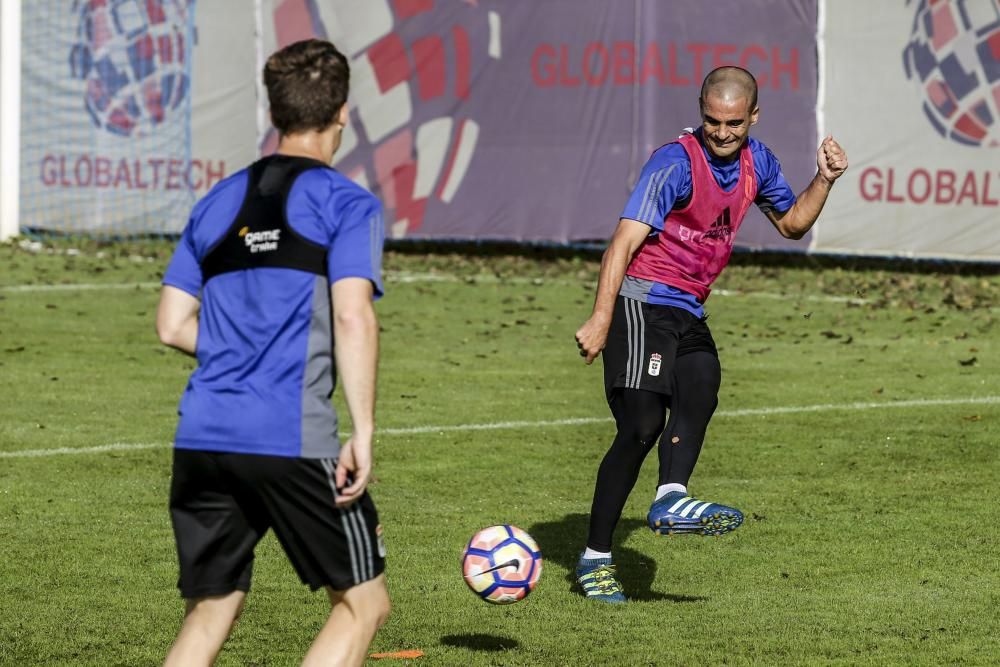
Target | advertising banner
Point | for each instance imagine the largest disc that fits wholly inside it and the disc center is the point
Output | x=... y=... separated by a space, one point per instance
x=529 y=121
x=510 y=120
x=913 y=95
x=121 y=131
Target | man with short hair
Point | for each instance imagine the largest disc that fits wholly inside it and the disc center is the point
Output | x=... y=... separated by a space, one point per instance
x=673 y=240
x=271 y=288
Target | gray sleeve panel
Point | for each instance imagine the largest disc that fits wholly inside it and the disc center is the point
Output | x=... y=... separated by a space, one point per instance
x=636 y=288
x=319 y=419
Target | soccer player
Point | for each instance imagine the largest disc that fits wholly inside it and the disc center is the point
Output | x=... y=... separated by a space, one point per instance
x=672 y=241
x=271 y=288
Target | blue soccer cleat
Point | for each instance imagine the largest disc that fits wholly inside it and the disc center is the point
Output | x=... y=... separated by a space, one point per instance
x=679 y=514
x=596 y=577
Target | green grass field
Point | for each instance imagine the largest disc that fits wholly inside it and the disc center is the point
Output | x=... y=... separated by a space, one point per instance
x=858 y=429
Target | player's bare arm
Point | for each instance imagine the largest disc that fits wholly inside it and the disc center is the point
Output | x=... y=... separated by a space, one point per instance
x=355 y=329
x=177 y=319
x=628 y=236
x=831 y=162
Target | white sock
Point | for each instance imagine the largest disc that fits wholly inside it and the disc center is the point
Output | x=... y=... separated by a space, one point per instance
x=590 y=554
x=664 y=489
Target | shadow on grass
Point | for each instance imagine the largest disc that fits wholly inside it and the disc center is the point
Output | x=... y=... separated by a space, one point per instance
x=562 y=541
x=480 y=642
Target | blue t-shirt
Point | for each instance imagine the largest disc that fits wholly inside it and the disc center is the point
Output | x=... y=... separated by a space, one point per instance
x=665 y=185
x=264 y=349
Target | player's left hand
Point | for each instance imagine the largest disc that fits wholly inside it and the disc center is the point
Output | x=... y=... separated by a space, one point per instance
x=831 y=160
x=354 y=469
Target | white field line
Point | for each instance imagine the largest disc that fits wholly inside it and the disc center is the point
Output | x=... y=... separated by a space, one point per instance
x=407 y=277
x=574 y=421
x=786 y=297
x=76 y=287
x=389 y=277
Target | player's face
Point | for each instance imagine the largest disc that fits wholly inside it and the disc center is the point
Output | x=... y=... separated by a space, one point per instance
x=726 y=124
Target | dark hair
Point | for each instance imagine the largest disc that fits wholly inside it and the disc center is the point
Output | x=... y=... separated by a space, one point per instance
x=307 y=84
x=735 y=80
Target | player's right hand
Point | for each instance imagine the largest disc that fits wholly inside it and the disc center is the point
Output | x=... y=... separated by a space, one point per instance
x=354 y=469
x=592 y=337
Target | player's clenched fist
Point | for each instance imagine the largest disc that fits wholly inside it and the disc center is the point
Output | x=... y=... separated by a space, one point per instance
x=591 y=338
x=831 y=159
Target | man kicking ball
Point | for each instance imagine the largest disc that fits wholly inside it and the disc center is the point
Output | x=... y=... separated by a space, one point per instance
x=672 y=241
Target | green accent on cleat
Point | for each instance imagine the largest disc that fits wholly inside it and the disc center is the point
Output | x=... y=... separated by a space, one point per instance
x=598 y=582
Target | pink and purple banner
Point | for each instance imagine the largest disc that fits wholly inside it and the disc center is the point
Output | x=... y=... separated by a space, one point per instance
x=529 y=121
x=516 y=120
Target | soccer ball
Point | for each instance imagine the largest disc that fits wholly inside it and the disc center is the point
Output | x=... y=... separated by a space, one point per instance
x=501 y=564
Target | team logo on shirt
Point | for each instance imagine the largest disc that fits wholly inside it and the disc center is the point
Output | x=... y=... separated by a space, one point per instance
x=721 y=229
x=264 y=241
x=654 y=364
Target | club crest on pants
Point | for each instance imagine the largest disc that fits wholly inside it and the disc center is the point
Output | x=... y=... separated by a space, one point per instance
x=379 y=540
x=654 y=364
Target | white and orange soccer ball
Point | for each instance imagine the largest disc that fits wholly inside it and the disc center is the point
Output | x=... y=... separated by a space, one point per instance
x=501 y=564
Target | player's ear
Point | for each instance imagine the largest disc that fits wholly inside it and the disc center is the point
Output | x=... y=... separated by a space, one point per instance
x=755 y=115
x=343 y=116
x=270 y=119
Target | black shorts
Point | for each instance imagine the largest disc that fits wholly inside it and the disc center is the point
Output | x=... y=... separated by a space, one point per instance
x=221 y=505
x=644 y=341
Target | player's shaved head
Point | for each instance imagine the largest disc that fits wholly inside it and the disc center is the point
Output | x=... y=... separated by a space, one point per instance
x=730 y=83
x=728 y=109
